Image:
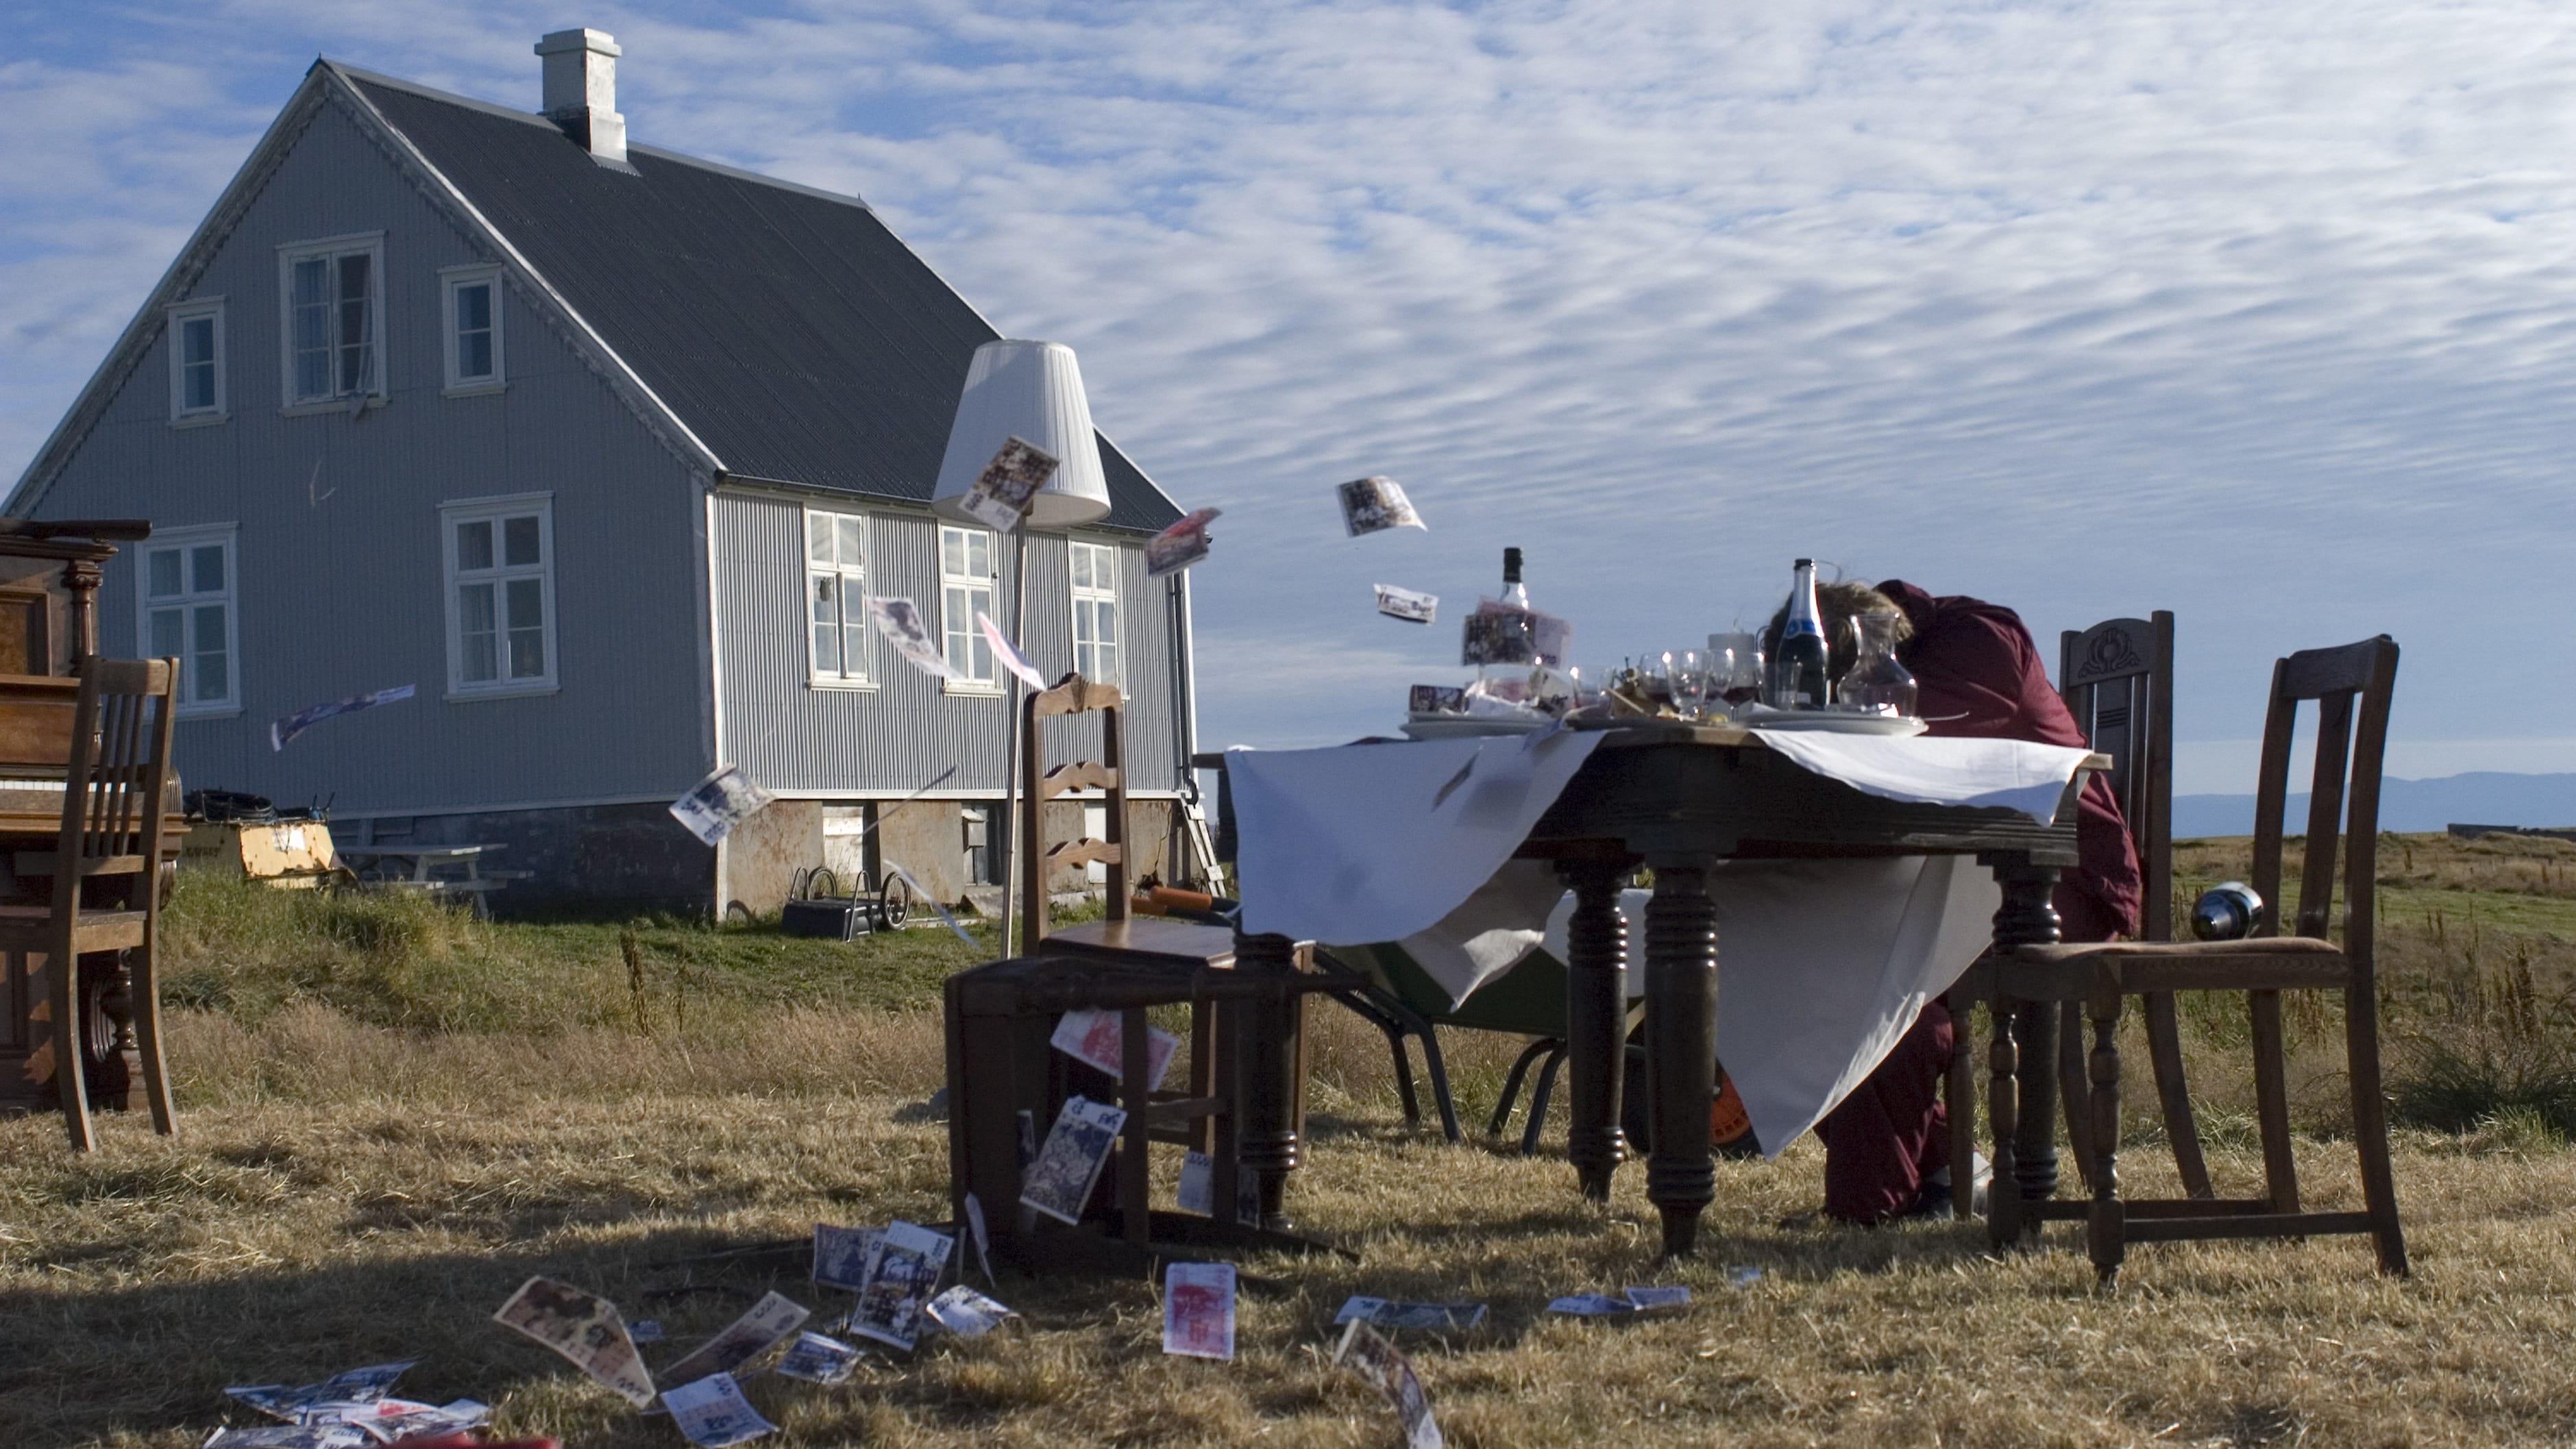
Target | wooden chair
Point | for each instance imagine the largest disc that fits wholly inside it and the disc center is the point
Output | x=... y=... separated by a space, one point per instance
x=2351 y=686
x=2117 y=680
x=1120 y=938
x=106 y=869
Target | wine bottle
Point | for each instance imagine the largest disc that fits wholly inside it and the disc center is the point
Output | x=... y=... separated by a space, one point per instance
x=1799 y=678
x=1515 y=593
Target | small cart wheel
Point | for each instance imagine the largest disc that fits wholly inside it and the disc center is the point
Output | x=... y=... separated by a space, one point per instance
x=894 y=902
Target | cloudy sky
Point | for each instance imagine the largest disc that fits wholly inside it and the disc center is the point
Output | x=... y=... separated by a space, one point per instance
x=2262 y=313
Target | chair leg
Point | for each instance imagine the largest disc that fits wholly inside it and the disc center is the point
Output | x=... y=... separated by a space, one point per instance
x=2106 y=1228
x=1538 y=1100
x=2003 y=1107
x=2272 y=1100
x=71 y=1075
x=1959 y=1101
x=1439 y=1073
x=2164 y=1048
x=2370 y=1131
x=1403 y=1073
x=146 y=991
x=2071 y=1089
x=1512 y=1085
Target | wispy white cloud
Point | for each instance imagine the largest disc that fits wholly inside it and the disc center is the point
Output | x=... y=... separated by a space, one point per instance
x=2262 y=313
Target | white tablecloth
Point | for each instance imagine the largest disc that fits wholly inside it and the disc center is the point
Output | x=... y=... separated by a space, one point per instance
x=1823 y=964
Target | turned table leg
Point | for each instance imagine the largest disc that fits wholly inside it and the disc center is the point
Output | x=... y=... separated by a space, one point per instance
x=1681 y=1046
x=1596 y=1017
x=2027 y=918
x=1266 y=1035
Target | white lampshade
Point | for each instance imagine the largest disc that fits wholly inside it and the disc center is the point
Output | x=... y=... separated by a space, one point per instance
x=1031 y=390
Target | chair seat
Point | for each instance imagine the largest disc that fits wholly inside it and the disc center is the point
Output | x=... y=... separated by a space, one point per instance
x=2067 y=972
x=31 y=928
x=1158 y=936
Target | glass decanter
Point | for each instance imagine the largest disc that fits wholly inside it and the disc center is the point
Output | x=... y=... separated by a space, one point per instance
x=1876 y=681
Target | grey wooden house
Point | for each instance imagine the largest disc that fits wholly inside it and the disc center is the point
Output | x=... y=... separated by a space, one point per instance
x=599 y=446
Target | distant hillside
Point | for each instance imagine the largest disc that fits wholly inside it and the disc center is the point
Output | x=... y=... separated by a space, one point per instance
x=2485 y=798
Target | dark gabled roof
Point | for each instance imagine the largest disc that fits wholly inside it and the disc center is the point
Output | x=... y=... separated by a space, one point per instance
x=787 y=328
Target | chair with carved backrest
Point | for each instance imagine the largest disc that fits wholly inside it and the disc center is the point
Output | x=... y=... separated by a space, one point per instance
x=106 y=870
x=2117 y=680
x=2351 y=687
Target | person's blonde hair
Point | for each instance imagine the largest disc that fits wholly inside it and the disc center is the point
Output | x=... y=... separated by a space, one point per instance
x=1837 y=604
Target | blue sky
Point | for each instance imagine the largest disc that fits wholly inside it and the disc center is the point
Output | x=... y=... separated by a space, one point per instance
x=2265 y=314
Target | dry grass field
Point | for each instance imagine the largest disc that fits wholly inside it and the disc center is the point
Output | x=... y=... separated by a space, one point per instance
x=392 y=1116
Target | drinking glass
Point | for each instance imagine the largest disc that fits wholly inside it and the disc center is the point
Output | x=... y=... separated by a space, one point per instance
x=1875 y=680
x=1735 y=667
x=1687 y=669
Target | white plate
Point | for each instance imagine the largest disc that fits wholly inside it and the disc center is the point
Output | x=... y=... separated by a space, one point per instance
x=1834 y=722
x=1462 y=726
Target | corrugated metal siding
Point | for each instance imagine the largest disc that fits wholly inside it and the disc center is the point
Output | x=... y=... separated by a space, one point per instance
x=346 y=593
x=892 y=739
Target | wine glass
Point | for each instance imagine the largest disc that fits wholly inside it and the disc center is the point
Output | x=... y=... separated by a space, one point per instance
x=1735 y=667
x=1687 y=669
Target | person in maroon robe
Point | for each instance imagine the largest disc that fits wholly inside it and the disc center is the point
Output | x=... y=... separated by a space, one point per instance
x=1887 y=1145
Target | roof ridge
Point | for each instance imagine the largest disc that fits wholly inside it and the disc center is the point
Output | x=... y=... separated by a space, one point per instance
x=658 y=153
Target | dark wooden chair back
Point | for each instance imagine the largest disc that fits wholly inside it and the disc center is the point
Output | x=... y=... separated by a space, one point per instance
x=2350 y=686
x=2117 y=680
x=119 y=768
x=1039 y=861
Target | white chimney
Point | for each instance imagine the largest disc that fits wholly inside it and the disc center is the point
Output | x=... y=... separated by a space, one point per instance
x=581 y=90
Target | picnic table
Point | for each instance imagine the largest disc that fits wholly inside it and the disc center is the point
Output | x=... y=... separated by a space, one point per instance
x=446 y=871
x=1681 y=800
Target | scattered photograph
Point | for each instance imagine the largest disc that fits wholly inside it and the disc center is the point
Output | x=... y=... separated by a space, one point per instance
x=817 y=1359
x=712 y=1413
x=1000 y=496
x=903 y=1269
x=1387 y=1370
x=899 y=620
x=1198 y=1310
x=720 y=802
x=1407 y=605
x=1059 y=1182
x=1436 y=699
x=1374 y=505
x=746 y=1338
x=1094 y=1038
x=1179 y=546
x=1198 y=1183
x=1388 y=1313
x=841 y=1255
x=966 y=1313
x=586 y=1329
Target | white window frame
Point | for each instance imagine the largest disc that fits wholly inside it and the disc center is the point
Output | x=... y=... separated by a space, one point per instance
x=185 y=542
x=1105 y=563
x=991 y=682
x=452 y=280
x=852 y=586
x=181 y=314
x=332 y=247
x=494 y=510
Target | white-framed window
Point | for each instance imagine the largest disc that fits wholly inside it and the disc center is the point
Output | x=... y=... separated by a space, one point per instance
x=470 y=306
x=500 y=594
x=965 y=587
x=197 y=361
x=188 y=612
x=1094 y=569
x=331 y=304
x=836 y=580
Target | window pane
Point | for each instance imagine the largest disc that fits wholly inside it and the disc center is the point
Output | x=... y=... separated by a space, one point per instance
x=854 y=643
x=979 y=554
x=166 y=643
x=527 y=604
x=474 y=355
x=197 y=340
x=474 y=307
x=818 y=537
x=165 y=574
x=527 y=654
x=213 y=679
x=312 y=374
x=353 y=279
x=853 y=542
x=519 y=541
x=308 y=281
x=198 y=390
x=475 y=630
x=207 y=563
x=952 y=551
x=1104 y=624
x=474 y=544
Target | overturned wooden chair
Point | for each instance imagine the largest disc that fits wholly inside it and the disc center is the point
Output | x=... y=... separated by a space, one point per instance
x=106 y=873
x=2351 y=687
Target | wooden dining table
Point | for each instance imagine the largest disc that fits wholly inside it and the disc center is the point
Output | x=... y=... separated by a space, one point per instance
x=1679 y=799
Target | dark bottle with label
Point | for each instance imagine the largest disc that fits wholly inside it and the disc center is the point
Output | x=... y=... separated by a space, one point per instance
x=1514 y=592
x=1799 y=676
